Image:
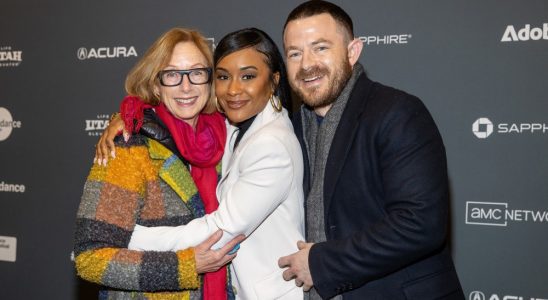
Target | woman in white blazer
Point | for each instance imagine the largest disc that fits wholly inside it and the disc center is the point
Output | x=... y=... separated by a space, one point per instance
x=260 y=193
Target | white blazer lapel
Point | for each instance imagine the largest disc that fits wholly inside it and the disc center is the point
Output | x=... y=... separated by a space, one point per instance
x=267 y=115
x=227 y=155
x=230 y=156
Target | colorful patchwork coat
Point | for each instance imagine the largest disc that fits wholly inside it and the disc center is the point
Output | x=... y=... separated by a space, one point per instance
x=145 y=184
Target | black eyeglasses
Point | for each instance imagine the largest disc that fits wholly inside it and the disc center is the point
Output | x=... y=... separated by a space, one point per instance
x=175 y=77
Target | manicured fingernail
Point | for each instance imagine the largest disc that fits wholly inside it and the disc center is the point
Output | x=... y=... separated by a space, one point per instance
x=94 y=159
x=104 y=162
x=113 y=154
x=126 y=136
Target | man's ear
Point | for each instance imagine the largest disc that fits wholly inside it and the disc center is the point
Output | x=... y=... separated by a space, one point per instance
x=354 y=50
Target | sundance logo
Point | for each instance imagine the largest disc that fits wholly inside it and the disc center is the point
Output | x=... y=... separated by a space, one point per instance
x=11 y=187
x=392 y=39
x=525 y=34
x=96 y=127
x=477 y=295
x=7 y=124
x=483 y=128
x=106 y=52
x=498 y=214
x=10 y=57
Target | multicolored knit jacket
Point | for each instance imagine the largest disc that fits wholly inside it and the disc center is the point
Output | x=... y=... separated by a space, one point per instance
x=145 y=184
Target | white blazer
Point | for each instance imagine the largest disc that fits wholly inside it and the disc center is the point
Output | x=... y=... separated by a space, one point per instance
x=261 y=196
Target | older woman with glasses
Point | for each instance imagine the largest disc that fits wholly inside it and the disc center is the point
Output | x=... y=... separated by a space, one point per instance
x=165 y=175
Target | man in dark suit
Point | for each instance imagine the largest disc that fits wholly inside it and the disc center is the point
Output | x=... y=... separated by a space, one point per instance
x=375 y=183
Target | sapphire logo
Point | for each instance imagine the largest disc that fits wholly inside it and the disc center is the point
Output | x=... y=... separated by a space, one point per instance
x=391 y=39
x=482 y=128
x=525 y=34
x=105 y=52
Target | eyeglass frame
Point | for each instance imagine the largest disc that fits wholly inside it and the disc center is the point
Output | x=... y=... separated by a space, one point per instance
x=183 y=73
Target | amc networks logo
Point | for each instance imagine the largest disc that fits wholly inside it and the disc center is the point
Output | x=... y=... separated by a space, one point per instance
x=499 y=214
x=477 y=295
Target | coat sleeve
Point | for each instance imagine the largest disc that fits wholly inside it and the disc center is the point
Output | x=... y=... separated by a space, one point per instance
x=265 y=176
x=108 y=210
x=411 y=169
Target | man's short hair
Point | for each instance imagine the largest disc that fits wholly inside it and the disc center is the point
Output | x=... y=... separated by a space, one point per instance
x=317 y=7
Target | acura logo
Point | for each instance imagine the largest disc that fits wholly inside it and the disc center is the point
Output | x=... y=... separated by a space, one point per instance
x=482 y=128
x=106 y=52
x=475 y=295
x=82 y=53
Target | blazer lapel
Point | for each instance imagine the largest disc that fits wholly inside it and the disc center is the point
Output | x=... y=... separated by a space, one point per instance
x=266 y=116
x=228 y=159
x=344 y=135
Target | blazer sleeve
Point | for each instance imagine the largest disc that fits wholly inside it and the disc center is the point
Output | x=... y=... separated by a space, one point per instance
x=106 y=216
x=265 y=175
x=412 y=173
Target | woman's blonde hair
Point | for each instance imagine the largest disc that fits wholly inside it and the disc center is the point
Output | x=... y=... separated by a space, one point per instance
x=143 y=77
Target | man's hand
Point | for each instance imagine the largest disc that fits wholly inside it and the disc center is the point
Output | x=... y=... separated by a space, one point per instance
x=105 y=146
x=208 y=260
x=297 y=266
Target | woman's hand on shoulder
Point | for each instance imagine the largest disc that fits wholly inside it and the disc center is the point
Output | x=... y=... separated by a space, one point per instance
x=105 y=145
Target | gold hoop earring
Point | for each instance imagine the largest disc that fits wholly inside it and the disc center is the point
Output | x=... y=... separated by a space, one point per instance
x=276 y=104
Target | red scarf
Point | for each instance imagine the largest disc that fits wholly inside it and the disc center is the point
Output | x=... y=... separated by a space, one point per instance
x=203 y=149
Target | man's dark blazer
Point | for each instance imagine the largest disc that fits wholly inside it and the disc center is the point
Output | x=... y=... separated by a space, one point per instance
x=385 y=202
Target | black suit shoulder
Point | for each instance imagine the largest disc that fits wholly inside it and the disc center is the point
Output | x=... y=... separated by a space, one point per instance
x=391 y=102
x=392 y=113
